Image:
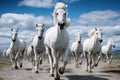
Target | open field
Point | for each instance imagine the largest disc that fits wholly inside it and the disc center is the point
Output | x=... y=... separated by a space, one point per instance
x=104 y=71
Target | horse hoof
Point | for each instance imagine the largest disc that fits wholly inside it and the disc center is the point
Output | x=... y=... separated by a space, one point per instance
x=86 y=70
x=40 y=61
x=96 y=65
x=20 y=65
x=36 y=71
x=80 y=63
x=16 y=67
x=61 y=70
x=51 y=75
x=90 y=71
x=57 y=78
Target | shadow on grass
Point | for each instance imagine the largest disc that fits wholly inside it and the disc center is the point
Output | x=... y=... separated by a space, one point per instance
x=84 y=77
x=111 y=71
x=68 y=71
x=28 y=69
x=1 y=78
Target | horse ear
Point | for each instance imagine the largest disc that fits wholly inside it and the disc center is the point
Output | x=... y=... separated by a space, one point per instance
x=43 y=25
x=95 y=28
x=36 y=25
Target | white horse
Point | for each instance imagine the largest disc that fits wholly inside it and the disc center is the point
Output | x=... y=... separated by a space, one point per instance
x=77 y=49
x=57 y=40
x=92 y=47
x=107 y=50
x=38 y=46
x=30 y=52
x=18 y=48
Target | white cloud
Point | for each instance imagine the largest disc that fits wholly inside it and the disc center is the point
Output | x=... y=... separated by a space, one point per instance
x=37 y=3
x=106 y=17
x=108 y=32
x=24 y=22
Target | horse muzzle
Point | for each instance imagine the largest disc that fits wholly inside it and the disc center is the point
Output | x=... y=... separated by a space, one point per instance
x=40 y=38
x=79 y=42
x=13 y=40
x=101 y=41
x=61 y=25
x=113 y=46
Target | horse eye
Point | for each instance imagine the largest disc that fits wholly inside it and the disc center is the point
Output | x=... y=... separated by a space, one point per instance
x=56 y=13
x=65 y=13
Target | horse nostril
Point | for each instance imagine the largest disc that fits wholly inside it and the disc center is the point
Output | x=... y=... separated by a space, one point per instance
x=79 y=41
x=13 y=40
x=113 y=46
x=100 y=40
x=40 y=37
x=61 y=25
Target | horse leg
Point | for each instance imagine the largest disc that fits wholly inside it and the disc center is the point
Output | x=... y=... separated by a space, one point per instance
x=36 y=61
x=48 y=52
x=74 y=54
x=87 y=64
x=98 y=59
x=55 y=64
x=107 y=57
x=21 y=58
x=93 y=59
x=16 y=67
x=15 y=61
x=90 y=62
x=77 y=58
x=66 y=58
x=111 y=57
x=81 y=56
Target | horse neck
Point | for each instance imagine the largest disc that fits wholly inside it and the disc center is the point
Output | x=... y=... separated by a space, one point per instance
x=95 y=40
x=60 y=32
x=17 y=40
x=109 y=46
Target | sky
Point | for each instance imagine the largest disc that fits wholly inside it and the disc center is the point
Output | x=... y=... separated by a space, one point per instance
x=84 y=15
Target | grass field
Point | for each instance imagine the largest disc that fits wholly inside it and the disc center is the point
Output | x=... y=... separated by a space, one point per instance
x=4 y=63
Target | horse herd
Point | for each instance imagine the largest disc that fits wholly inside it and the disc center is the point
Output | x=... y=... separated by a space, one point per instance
x=55 y=44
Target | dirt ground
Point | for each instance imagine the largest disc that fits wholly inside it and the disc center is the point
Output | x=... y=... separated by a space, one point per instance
x=104 y=71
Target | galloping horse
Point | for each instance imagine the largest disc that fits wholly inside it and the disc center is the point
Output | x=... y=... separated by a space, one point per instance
x=92 y=47
x=18 y=48
x=107 y=50
x=57 y=40
x=77 y=49
x=38 y=46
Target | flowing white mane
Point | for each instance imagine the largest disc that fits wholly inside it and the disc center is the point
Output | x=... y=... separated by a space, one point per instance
x=60 y=5
x=92 y=31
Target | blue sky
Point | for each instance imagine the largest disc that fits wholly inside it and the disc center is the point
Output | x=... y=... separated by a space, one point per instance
x=84 y=15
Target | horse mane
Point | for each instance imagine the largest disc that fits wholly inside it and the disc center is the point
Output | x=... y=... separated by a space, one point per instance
x=60 y=5
x=109 y=40
x=91 y=32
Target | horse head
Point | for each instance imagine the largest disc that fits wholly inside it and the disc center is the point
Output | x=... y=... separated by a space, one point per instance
x=60 y=15
x=40 y=30
x=14 y=34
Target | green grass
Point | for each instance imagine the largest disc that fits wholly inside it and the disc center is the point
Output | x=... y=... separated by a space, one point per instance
x=4 y=63
x=116 y=56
